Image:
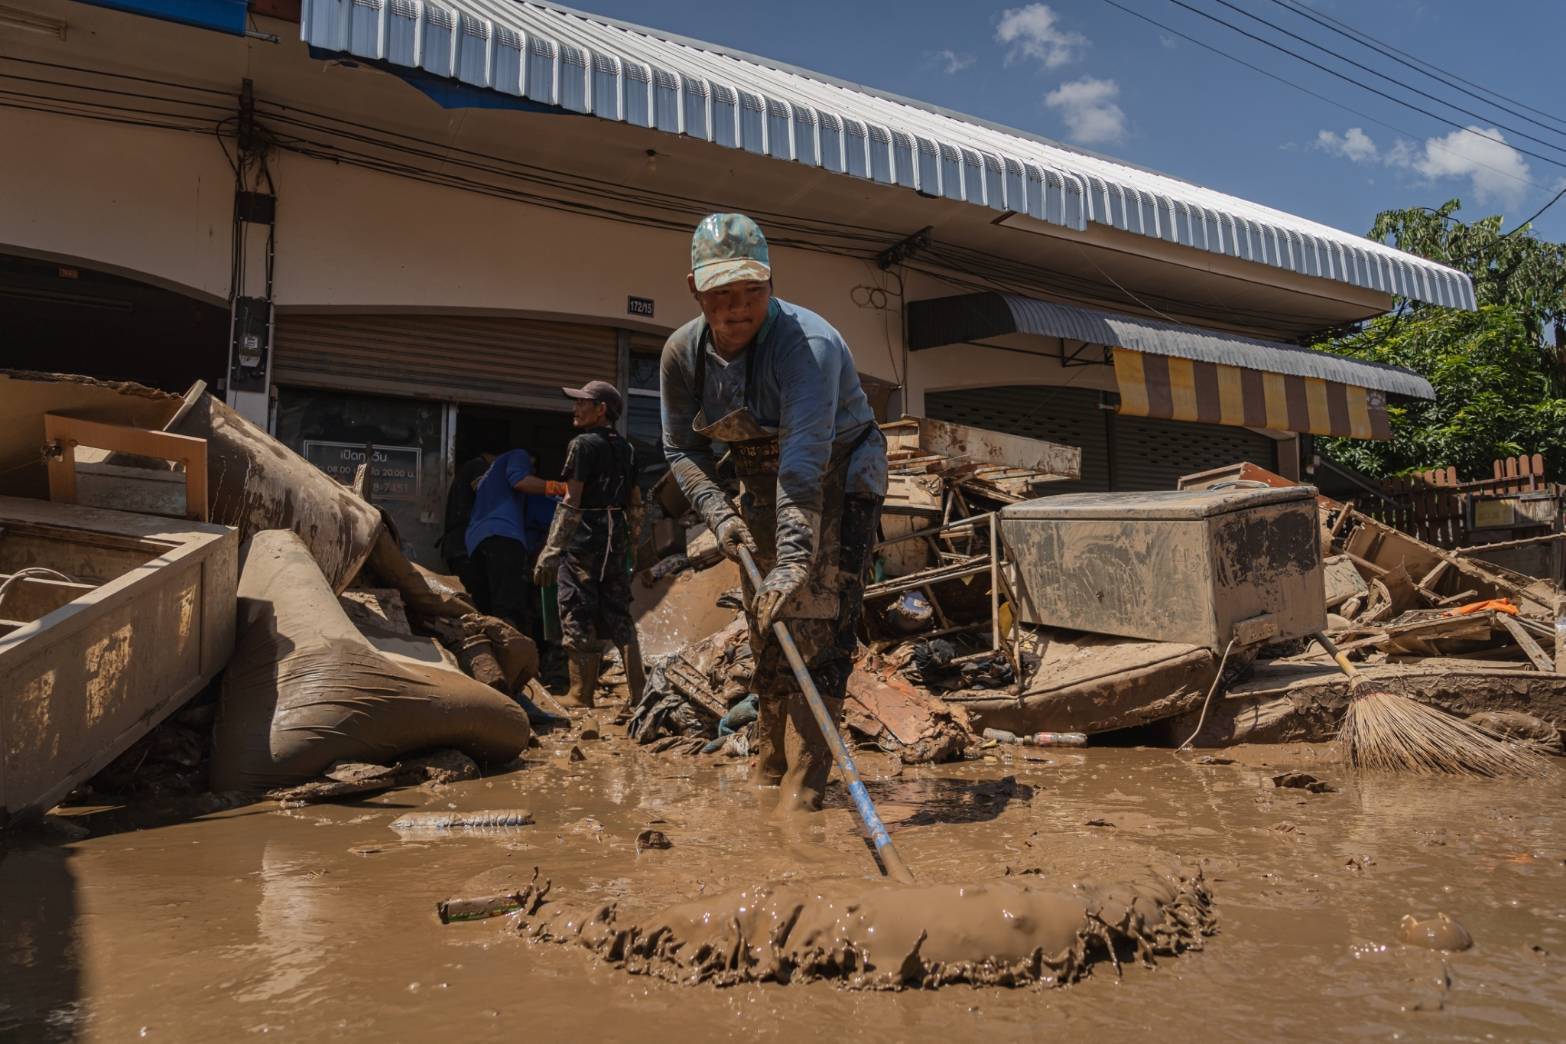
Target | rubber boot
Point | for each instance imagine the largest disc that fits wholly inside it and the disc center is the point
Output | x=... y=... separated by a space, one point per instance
x=768 y=741
x=583 y=668
x=635 y=670
x=809 y=758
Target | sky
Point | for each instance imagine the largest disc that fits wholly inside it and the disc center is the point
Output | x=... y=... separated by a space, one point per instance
x=1086 y=73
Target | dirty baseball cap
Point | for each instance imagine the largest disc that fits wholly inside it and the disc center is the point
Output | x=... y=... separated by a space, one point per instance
x=728 y=248
x=599 y=391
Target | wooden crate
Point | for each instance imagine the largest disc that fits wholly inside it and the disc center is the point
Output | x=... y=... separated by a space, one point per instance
x=90 y=664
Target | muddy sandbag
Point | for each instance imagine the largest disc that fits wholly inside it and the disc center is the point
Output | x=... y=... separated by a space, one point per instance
x=1014 y=932
x=256 y=483
x=305 y=689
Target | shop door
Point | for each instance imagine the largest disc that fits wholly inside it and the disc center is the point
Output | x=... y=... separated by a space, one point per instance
x=517 y=363
x=402 y=441
x=1153 y=454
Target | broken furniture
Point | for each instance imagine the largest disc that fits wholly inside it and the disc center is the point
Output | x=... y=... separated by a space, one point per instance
x=90 y=663
x=108 y=484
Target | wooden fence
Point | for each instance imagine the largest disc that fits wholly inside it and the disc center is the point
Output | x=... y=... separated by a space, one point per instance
x=1439 y=508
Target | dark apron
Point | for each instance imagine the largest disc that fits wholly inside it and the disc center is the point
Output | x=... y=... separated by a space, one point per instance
x=754 y=447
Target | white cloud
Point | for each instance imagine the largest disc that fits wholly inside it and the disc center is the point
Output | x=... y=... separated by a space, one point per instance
x=1087 y=106
x=1353 y=144
x=1496 y=171
x=950 y=61
x=1168 y=43
x=1032 y=32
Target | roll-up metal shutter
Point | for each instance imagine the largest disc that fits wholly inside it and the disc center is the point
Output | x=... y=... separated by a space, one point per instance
x=455 y=358
x=1153 y=454
x=1067 y=415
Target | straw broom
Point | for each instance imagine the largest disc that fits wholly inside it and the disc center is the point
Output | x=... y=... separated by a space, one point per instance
x=1383 y=730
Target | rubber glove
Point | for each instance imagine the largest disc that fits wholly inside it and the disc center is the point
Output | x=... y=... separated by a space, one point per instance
x=733 y=534
x=546 y=571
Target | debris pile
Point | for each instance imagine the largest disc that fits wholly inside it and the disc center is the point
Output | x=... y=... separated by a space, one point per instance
x=309 y=658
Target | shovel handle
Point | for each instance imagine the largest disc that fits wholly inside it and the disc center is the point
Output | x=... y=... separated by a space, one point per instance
x=895 y=867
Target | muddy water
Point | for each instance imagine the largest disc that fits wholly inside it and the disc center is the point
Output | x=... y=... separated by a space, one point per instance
x=320 y=922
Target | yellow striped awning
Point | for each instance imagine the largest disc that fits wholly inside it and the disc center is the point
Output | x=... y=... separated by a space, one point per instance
x=1212 y=393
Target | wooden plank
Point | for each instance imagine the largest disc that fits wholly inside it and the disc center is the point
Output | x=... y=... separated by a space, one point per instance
x=66 y=433
x=982 y=446
x=1521 y=636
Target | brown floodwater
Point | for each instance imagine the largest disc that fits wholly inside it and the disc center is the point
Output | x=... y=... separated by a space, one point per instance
x=319 y=923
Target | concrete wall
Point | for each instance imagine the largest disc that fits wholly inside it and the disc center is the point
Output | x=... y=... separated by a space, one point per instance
x=151 y=204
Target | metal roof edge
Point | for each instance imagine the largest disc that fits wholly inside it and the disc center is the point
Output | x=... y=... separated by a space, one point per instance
x=845 y=128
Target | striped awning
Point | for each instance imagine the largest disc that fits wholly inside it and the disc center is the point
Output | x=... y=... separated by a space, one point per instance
x=1211 y=393
x=1186 y=373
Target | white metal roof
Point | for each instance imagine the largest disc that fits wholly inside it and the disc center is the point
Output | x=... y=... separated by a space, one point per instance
x=601 y=67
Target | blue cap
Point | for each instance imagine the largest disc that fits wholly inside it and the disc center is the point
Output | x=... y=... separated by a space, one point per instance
x=728 y=248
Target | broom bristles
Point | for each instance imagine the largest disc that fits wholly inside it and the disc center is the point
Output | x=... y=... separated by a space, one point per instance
x=1384 y=730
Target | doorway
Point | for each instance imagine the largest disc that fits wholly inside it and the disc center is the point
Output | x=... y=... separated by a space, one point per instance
x=62 y=318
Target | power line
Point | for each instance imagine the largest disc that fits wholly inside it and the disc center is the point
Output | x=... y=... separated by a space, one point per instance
x=1362 y=86
x=1414 y=62
x=1306 y=90
x=1381 y=75
x=1536 y=214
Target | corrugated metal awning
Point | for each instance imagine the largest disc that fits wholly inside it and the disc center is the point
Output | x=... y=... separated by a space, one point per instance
x=597 y=66
x=1186 y=373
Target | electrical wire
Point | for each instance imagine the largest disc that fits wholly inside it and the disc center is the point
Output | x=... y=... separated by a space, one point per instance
x=1383 y=76
x=1536 y=214
x=117 y=75
x=1419 y=65
x=1378 y=121
x=1362 y=86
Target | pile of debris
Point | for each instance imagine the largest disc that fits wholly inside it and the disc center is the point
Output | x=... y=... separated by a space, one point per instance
x=930 y=616
x=233 y=616
x=975 y=620
x=1468 y=636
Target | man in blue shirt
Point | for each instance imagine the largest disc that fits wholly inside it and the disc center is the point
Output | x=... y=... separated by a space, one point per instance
x=775 y=385
x=499 y=542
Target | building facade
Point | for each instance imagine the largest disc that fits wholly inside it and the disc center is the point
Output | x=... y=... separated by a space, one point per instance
x=391 y=231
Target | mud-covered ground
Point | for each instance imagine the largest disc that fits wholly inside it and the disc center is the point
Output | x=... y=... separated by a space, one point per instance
x=319 y=923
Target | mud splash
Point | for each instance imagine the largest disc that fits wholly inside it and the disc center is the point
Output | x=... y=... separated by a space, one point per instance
x=1002 y=933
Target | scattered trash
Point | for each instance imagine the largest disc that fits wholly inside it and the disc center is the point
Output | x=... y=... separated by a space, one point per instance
x=1303 y=781
x=652 y=839
x=910 y=613
x=451 y=822
x=1038 y=739
x=449 y=910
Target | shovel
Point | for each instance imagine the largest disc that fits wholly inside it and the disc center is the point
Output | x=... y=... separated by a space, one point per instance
x=896 y=869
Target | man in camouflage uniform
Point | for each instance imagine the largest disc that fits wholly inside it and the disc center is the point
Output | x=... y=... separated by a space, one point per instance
x=593 y=530
x=776 y=385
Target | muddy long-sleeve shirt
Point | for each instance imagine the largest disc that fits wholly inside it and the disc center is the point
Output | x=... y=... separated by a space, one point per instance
x=804 y=384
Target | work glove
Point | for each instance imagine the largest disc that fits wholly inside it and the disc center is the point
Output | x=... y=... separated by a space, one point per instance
x=798 y=530
x=780 y=584
x=546 y=571
x=733 y=534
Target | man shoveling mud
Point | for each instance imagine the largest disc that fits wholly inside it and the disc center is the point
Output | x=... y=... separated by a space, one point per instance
x=776 y=384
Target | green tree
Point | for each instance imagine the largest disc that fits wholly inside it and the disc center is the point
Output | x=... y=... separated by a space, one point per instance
x=1498 y=372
